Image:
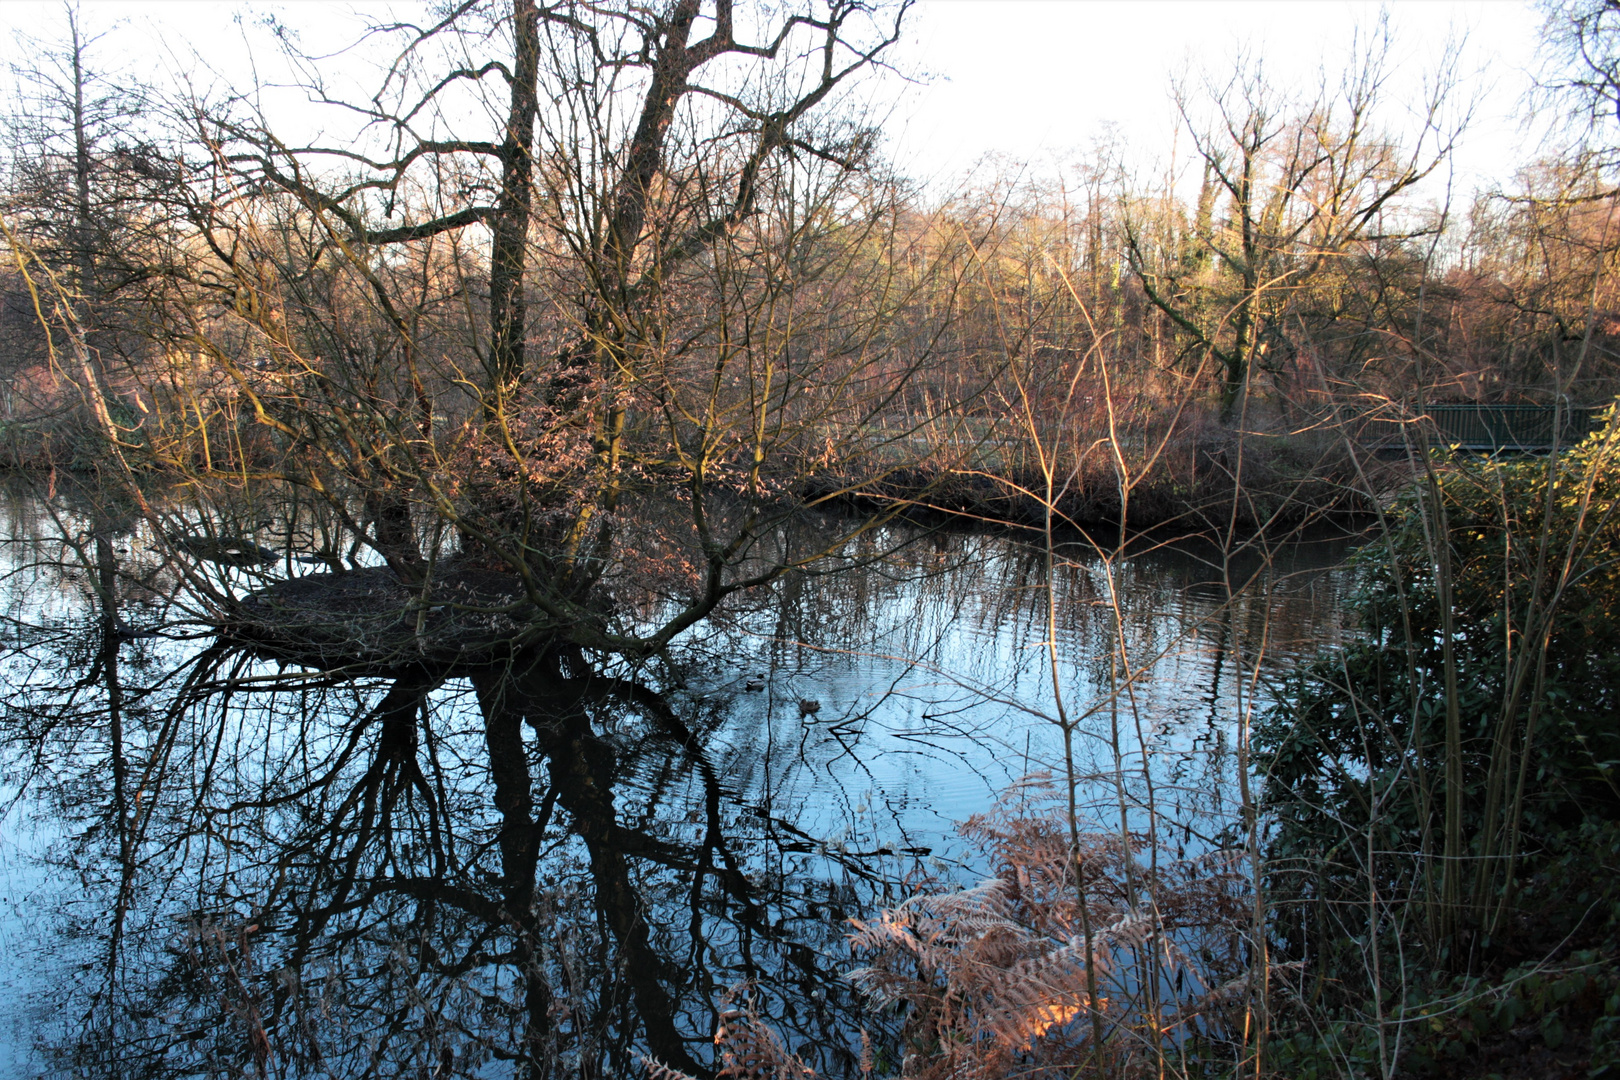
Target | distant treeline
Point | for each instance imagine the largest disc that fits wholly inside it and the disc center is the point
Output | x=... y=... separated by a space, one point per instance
x=749 y=299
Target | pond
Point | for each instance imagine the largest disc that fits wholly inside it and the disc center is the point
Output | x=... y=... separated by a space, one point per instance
x=213 y=864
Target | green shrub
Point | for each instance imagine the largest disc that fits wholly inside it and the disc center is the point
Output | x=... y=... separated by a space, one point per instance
x=1397 y=757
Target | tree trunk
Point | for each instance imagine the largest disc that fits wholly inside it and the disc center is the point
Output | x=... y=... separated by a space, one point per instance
x=510 y=222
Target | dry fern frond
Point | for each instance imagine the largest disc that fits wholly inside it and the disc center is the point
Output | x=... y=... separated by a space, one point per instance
x=998 y=978
x=1132 y=931
x=750 y=1050
x=657 y=1070
x=983 y=988
x=1059 y=964
x=1237 y=989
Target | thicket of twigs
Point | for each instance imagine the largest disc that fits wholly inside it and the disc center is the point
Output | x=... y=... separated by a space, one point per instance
x=770 y=310
x=605 y=361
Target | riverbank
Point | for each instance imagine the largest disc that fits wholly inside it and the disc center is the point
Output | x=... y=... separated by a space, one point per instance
x=1248 y=481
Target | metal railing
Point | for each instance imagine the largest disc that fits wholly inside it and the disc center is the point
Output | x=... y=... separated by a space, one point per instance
x=1481 y=428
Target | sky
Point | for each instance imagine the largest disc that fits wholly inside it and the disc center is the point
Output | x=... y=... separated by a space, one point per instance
x=1033 y=81
x=1040 y=81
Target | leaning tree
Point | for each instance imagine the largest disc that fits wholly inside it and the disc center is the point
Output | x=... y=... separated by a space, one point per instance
x=567 y=308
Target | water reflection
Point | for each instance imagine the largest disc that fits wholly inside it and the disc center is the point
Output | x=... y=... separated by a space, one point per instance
x=530 y=865
x=549 y=867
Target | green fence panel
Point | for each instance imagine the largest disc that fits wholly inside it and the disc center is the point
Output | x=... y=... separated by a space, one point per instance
x=1509 y=427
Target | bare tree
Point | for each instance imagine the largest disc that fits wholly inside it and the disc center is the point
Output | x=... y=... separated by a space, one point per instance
x=1290 y=194
x=73 y=124
x=569 y=255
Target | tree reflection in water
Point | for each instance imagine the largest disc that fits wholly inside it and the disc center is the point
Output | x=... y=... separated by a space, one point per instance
x=530 y=868
x=548 y=868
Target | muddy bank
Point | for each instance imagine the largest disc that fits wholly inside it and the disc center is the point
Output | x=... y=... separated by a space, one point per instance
x=369 y=619
x=1217 y=489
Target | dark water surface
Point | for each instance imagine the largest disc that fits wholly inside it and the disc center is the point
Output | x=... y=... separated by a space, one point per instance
x=213 y=866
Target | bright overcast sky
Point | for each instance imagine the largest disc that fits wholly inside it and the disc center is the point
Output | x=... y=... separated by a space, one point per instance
x=1036 y=80
x=1040 y=80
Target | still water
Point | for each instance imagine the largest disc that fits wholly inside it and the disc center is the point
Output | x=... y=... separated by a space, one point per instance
x=214 y=865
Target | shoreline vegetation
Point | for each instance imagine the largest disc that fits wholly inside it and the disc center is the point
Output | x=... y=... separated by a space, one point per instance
x=561 y=341
x=1276 y=491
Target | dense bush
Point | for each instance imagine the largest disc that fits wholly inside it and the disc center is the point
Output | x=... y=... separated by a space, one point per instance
x=1442 y=792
